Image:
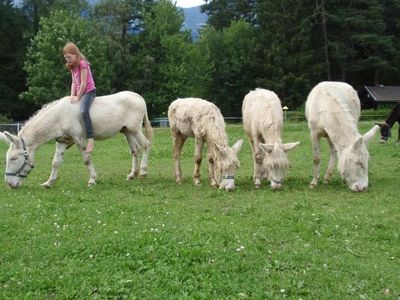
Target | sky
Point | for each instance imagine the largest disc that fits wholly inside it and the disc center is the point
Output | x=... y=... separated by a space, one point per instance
x=188 y=3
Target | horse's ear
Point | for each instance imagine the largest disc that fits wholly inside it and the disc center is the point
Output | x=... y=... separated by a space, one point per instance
x=290 y=146
x=3 y=138
x=220 y=149
x=367 y=137
x=267 y=148
x=237 y=146
x=9 y=138
x=357 y=144
x=379 y=124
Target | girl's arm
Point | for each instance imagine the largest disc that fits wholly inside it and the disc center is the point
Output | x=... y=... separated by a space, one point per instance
x=73 y=89
x=83 y=83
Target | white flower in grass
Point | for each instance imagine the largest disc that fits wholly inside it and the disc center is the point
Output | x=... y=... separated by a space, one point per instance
x=115 y=232
x=283 y=290
x=241 y=248
x=91 y=256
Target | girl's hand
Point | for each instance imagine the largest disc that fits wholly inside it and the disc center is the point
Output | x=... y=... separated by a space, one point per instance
x=74 y=99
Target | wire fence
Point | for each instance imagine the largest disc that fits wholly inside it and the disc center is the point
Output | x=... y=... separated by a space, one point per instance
x=294 y=117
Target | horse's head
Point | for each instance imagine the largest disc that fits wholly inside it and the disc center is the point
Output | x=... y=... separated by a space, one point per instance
x=19 y=162
x=275 y=162
x=353 y=163
x=226 y=164
x=385 y=132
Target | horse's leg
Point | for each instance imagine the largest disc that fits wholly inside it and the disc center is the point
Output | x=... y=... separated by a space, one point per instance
x=57 y=160
x=145 y=148
x=134 y=151
x=88 y=163
x=398 y=136
x=211 y=168
x=331 y=163
x=257 y=157
x=197 y=159
x=178 y=140
x=316 y=158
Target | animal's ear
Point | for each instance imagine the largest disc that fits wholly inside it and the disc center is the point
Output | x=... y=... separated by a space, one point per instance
x=290 y=146
x=3 y=138
x=10 y=138
x=357 y=144
x=267 y=148
x=370 y=134
x=379 y=124
x=220 y=149
x=237 y=146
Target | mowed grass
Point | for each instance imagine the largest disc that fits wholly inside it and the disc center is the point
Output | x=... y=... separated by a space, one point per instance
x=153 y=239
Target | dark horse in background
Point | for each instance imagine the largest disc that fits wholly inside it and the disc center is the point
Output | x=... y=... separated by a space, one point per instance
x=393 y=117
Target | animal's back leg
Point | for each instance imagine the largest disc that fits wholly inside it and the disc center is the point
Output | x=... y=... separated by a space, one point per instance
x=88 y=163
x=197 y=159
x=315 y=140
x=134 y=152
x=144 y=144
x=331 y=163
x=258 y=158
x=178 y=140
x=57 y=161
x=398 y=136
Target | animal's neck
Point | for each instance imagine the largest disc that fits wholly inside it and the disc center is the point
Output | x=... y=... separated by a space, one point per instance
x=394 y=115
x=36 y=134
x=216 y=134
x=342 y=138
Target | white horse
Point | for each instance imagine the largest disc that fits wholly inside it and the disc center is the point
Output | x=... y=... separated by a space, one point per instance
x=332 y=111
x=198 y=118
x=61 y=120
x=263 y=122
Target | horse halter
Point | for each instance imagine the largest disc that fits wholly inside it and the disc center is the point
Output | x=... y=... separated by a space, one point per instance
x=389 y=132
x=228 y=177
x=26 y=163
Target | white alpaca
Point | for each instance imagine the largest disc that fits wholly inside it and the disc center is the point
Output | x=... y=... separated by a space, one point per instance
x=193 y=117
x=332 y=111
x=61 y=121
x=263 y=123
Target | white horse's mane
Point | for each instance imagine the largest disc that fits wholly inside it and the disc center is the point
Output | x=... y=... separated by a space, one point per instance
x=41 y=111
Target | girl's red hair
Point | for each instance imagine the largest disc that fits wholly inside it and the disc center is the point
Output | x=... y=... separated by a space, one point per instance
x=73 y=49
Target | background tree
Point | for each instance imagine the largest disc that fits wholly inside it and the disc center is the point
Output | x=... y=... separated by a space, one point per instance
x=222 y=12
x=360 y=51
x=289 y=62
x=35 y=9
x=48 y=79
x=13 y=43
x=233 y=51
x=167 y=65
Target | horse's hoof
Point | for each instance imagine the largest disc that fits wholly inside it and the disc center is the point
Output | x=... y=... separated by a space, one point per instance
x=257 y=186
x=313 y=186
x=91 y=184
x=46 y=185
x=143 y=175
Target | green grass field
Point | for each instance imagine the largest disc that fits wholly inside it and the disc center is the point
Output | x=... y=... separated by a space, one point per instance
x=153 y=239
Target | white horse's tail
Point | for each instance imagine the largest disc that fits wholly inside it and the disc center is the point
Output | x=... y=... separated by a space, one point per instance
x=148 y=129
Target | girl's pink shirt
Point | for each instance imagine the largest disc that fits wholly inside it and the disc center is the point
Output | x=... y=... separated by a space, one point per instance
x=76 y=77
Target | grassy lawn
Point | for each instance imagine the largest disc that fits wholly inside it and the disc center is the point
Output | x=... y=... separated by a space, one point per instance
x=153 y=239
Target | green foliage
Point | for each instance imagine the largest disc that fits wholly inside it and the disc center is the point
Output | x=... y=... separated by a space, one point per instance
x=48 y=79
x=168 y=65
x=153 y=239
x=357 y=41
x=13 y=43
x=233 y=51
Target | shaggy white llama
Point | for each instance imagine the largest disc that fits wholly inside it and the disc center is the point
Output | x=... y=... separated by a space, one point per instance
x=332 y=111
x=198 y=118
x=263 y=122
